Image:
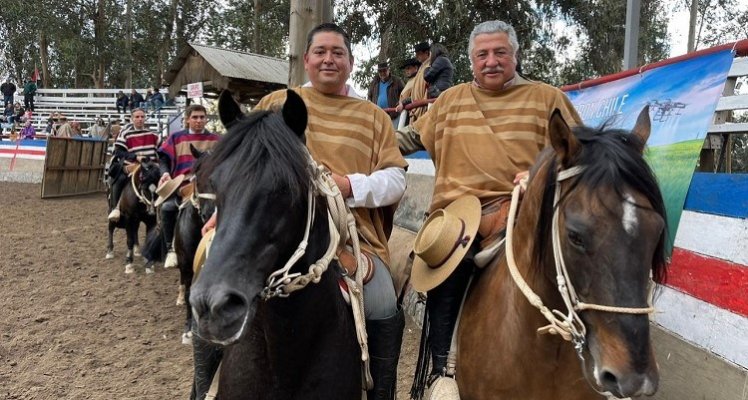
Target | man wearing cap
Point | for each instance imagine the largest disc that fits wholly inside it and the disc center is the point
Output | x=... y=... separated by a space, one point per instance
x=385 y=89
x=419 y=92
x=175 y=159
x=410 y=69
x=355 y=140
x=481 y=136
x=135 y=143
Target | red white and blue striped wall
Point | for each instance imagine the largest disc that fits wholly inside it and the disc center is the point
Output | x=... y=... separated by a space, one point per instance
x=25 y=149
x=705 y=297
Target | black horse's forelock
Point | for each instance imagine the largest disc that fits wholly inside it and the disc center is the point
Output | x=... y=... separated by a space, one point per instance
x=612 y=159
x=258 y=142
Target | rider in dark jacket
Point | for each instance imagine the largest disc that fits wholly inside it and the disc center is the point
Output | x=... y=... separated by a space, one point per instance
x=440 y=75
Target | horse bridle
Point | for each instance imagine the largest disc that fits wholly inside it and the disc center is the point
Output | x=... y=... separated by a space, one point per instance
x=569 y=326
x=148 y=202
x=342 y=227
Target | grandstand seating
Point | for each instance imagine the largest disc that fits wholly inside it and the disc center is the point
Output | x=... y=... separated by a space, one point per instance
x=87 y=105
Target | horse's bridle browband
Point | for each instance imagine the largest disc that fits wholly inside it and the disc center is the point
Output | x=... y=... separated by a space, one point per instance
x=569 y=326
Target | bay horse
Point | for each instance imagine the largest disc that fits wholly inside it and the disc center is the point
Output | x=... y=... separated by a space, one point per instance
x=610 y=230
x=136 y=206
x=301 y=345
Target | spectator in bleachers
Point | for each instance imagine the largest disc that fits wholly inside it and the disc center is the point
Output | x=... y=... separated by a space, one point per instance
x=157 y=100
x=27 y=116
x=136 y=100
x=18 y=112
x=8 y=89
x=122 y=102
x=28 y=131
x=29 y=91
x=58 y=120
x=9 y=114
x=70 y=129
x=98 y=130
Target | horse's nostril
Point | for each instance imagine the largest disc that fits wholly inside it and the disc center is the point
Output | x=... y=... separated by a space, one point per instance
x=230 y=306
x=609 y=379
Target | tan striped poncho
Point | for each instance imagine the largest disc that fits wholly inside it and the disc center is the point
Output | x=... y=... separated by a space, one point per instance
x=480 y=139
x=351 y=135
x=418 y=92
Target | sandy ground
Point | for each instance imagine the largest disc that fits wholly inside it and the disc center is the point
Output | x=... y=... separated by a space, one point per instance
x=74 y=326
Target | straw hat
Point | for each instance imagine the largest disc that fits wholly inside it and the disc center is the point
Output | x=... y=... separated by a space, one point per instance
x=443 y=241
x=166 y=189
x=202 y=252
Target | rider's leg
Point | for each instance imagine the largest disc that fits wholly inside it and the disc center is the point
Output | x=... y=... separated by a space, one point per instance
x=443 y=306
x=169 y=210
x=117 y=187
x=384 y=327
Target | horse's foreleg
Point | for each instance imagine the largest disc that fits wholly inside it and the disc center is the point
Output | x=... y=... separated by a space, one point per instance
x=110 y=242
x=136 y=245
x=131 y=233
x=149 y=264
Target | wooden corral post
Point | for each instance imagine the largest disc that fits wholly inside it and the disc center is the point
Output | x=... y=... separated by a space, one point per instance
x=305 y=15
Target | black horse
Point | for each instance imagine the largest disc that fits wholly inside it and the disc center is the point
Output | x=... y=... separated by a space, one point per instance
x=302 y=346
x=136 y=206
x=194 y=212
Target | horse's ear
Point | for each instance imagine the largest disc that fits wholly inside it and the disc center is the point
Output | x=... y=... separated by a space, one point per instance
x=195 y=152
x=643 y=126
x=228 y=109
x=294 y=113
x=562 y=138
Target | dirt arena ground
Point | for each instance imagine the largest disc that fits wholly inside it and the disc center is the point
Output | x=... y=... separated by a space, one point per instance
x=74 y=326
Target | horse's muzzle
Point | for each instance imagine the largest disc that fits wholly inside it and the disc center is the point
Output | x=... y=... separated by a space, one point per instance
x=220 y=315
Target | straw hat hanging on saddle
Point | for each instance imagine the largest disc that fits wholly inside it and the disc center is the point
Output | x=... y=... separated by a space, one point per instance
x=166 y=189
x=443 y=241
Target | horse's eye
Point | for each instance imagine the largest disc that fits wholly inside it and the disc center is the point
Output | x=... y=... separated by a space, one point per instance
x=576 y=239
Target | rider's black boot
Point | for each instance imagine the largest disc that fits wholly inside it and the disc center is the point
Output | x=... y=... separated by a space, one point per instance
x=385 y=338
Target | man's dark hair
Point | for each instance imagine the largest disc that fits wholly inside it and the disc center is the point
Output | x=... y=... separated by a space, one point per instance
x=192 y=108
x=329 y=27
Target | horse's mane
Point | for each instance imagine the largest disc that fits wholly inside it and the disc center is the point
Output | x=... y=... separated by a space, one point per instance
x=259 y=141
x=613 y=159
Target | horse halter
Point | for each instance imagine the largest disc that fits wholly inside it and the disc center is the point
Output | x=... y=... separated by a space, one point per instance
x=569 y=326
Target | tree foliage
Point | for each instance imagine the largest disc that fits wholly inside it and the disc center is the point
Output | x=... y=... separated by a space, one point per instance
x=84 y=43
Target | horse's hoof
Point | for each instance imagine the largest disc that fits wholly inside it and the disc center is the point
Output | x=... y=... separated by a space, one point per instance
x=171 y=260
x=109 y=255
x=129 y=269
x=187 y=338
x=180 y=296
x=136 y=251
x=149 y=270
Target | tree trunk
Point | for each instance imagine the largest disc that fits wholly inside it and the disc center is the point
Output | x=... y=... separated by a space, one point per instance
x=167 y=44
x=256 y=28
x=99 y=37
x=128 y=43
x=44 y=57
x=692 y=25
x=305 y=15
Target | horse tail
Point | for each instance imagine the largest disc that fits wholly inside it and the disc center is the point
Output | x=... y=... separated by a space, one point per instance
x=155 y=248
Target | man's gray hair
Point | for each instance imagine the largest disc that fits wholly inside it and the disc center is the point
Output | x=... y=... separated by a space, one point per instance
x=494 y=26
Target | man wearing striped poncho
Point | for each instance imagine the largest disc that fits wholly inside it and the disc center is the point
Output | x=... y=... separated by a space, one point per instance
x=135 y=143
x=481 y=136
